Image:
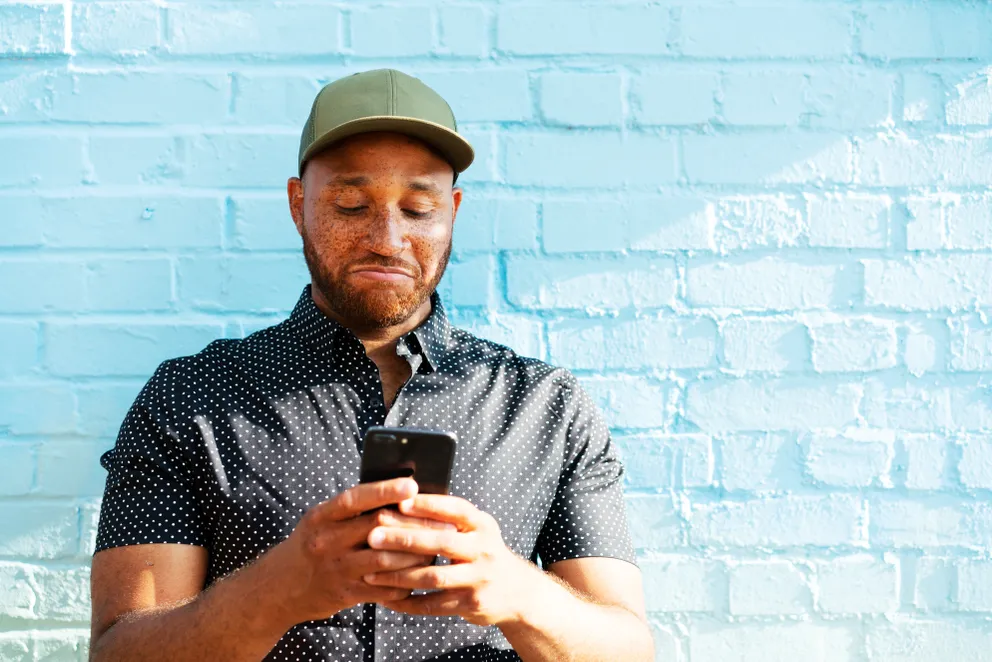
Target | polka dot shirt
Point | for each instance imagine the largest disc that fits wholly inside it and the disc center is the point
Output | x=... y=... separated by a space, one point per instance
x=226 y=449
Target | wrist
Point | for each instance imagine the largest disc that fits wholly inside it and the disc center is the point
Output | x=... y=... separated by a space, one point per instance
x=274 y=602
x=538 y=593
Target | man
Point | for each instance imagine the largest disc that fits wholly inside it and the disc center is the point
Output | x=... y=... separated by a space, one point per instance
x=232 y=526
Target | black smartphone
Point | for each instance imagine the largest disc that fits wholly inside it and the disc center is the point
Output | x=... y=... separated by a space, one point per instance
x=424 y=455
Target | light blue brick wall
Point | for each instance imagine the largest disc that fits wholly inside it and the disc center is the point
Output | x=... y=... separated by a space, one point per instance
x=759 y=232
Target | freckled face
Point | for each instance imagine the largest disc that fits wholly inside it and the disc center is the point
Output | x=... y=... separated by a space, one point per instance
x=377 y=217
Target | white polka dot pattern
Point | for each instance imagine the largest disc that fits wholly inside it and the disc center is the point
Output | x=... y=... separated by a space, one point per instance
x=226 y=449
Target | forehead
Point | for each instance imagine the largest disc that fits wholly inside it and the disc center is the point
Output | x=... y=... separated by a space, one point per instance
x=378 y=155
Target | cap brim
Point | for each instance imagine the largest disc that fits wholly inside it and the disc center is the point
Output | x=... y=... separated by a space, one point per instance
x=453 y=147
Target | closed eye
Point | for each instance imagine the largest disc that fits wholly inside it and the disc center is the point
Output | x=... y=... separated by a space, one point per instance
x=351 y=210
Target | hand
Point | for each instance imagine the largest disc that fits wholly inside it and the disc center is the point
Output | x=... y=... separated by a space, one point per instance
x=322 y=562
x=486 y=582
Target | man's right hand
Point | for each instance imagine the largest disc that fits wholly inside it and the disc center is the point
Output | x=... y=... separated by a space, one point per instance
x=322 y=563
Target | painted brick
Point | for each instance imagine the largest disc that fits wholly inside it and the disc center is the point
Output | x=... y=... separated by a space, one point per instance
x=759 y=222
x=245 y=159
x=763 y=98
x=581 y=99
x=975 y=585
x=858 y=585
x=666 y=343
x=854 y=345
x=925 y=641
x=763 y=344
x=901 y=31
x=71 y=468
x=925 y=347
x=284 y=29
x=747 y=642
x=683 y=584
x=849 y=460
x=642 y=223
x=760 y=463
x=972 y=102
x=976 y=462
x=768 y=588
x=777 y=404
x=38 y=530
x=654 y=522
x=484 y=95
x=949 y=222
x=20 y=342
x=936 y=584
x=137 y=159
x=473 y=281
x=15 y=646
x=464 y=30
x=899 y=160
x=143 y=222
x=926 y=458
x=17 y=471
x=32 y=29
x=929 y=282
x=66 y=644
x=262 y=224
x=661 y=461
x=768 y=283
x=283 y=100
x=63 y=594
x=594 y=283
x=780 y=158
x=102 y=407
x=788 y=521
x=674 y=98
x=849 y=99
x=971 y=345
x=17 y=598
x=249 y=282
x=391 y=31
x=602 y=29
x=116 y=27
x=129 y=285
x=488 y=224
x=924 y=96
x=153 y=98
x=805 y=29
x=37 y=408
x=589 y=160
x=630 y=402
x=121 y=349
x=905 y=405
x=930 y=523
x=41 y=161
x=849 y=221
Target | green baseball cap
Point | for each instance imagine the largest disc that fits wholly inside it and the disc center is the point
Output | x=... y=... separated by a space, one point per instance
x=383 y=100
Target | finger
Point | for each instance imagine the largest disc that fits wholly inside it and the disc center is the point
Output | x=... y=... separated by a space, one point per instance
x=371 y=561
x=388 y=517
x=445 y=508
x=443 y=577
x=429 y=542
x=442 y=603
x=340 y=535
x=365 y=497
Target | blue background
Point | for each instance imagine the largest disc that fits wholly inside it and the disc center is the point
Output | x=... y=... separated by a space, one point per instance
x=759 y=232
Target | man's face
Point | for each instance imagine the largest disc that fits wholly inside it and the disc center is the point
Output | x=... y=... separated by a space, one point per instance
x=376 y=201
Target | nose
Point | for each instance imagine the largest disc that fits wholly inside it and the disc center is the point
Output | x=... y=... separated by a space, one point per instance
x=386 y=234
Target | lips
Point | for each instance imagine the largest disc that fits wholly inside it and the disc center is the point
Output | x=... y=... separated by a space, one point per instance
x=385 y=274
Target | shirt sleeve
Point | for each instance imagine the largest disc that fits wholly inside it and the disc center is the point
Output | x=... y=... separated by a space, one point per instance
x=587 y=516
x=149 y=495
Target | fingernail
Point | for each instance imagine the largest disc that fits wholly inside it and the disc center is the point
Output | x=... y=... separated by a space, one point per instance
x=369 y=579
x=376 y=537
x=406 y=505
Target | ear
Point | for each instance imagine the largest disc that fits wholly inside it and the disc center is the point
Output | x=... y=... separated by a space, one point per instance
x=294 y=190
x=456 y=201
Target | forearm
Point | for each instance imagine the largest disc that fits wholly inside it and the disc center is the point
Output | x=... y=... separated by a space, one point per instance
x=559 y=625
x=235 y=619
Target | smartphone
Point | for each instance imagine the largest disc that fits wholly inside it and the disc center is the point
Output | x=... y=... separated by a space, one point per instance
x=424 y=455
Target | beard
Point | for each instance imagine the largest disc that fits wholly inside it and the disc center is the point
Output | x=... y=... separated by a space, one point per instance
x=371 y=308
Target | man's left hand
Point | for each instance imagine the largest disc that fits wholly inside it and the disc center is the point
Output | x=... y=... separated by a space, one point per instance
x=486 y=583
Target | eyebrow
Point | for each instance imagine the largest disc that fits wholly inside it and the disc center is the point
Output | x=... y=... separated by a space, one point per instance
x=362 y=180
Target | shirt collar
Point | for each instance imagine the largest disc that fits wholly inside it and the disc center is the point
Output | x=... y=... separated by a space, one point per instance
x=432 y=337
